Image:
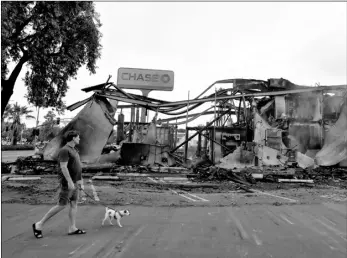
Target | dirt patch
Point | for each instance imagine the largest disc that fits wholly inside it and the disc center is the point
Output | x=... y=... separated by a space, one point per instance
x=163 y=187
x=30 y=192
x=139 y=192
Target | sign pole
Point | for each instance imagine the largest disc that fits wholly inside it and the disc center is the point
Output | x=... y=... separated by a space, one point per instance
x=143 y=109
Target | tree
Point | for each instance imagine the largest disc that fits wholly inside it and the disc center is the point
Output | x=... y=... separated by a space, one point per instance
x=48 y=129
x=5 y=130
x=50 y=116
x=54 y=39
x=28 y=135
x=16 y=112
x=6 y=114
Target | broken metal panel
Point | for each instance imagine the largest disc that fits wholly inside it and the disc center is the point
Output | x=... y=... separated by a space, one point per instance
x=270 y=157
x=335 y=141
x=267 y=110
x=305 y=107
x=304 y=161
x=332 y=106
x=274 y=138
x=261 y=127
x=134 y=153
x=332 y=154
x=309 y=136
x=120 y=128
x=280 y=106
x=238 y=159
x=151 y=136
x=159 y=155
x=145 y=154
x=281 y=84
x=114 y=104
x=112 y=157
x=165 y=136
x=230 y=137
x=94 y=123
x=343 y=163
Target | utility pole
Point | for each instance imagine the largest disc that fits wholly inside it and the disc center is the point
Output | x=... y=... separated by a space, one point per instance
x=187 y=134
x=37 y=124
x=37 y=117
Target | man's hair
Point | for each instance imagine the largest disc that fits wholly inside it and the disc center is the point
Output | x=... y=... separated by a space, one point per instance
x=70 y=135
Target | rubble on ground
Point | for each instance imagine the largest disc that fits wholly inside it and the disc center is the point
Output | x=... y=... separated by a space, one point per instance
x=269 y=174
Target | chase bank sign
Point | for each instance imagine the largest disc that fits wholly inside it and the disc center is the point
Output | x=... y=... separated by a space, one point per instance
x=145 y=79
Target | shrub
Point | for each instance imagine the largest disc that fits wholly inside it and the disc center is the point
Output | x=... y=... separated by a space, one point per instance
x=17 y=147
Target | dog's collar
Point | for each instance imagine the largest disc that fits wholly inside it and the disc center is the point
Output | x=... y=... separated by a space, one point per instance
x=120 y=214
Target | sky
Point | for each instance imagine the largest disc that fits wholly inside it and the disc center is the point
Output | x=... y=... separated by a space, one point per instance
x=202 y=42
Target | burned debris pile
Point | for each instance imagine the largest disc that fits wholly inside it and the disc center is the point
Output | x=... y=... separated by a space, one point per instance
x=252 y=175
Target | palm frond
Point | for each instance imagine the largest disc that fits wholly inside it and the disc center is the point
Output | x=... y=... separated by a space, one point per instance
x=29 y=117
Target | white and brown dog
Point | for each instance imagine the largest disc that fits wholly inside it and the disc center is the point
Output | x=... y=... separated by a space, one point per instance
x=114 y=214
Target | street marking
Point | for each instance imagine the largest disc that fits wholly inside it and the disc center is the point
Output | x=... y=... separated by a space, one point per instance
x=214 y=212
x=183 y=195
x=115 y=253
x=331 y=238
x=329 y=220
x=83 y=251
x=330 y=246
x=94 y=191
x=239 y=226
x=153 y=180
x=257 y=240
x=74 y=251
x=292 y=200
x=337 y=232
x=195 y=196
x=284 y=218
x=34 y=209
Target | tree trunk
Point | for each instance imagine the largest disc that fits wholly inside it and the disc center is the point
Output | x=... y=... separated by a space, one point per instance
x=14 y=137
x=7 y=86
x=6 y=93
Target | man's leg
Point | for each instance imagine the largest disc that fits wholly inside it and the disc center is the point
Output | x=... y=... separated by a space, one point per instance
x=73 y=211
x=72 y=216
x=53 y=211
x=62 y=202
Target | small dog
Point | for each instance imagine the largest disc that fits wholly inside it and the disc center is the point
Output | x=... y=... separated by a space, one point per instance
x=114 y=214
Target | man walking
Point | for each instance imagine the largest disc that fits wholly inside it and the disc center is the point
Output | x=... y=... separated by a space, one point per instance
x=70 y=177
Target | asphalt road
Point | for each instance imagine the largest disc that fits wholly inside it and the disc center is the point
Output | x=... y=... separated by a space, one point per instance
x=254 y=231
x=10 y=156
x=255 y=228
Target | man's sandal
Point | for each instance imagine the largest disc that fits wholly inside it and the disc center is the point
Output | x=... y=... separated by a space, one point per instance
x=78 y=232
x=37 y=233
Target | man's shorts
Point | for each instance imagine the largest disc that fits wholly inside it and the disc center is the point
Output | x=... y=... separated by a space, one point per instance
x=66 y=195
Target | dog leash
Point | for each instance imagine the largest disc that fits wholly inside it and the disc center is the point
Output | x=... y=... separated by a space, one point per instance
x=106 y=206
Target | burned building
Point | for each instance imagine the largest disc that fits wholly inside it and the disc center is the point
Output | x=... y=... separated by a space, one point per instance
x=256 y=123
